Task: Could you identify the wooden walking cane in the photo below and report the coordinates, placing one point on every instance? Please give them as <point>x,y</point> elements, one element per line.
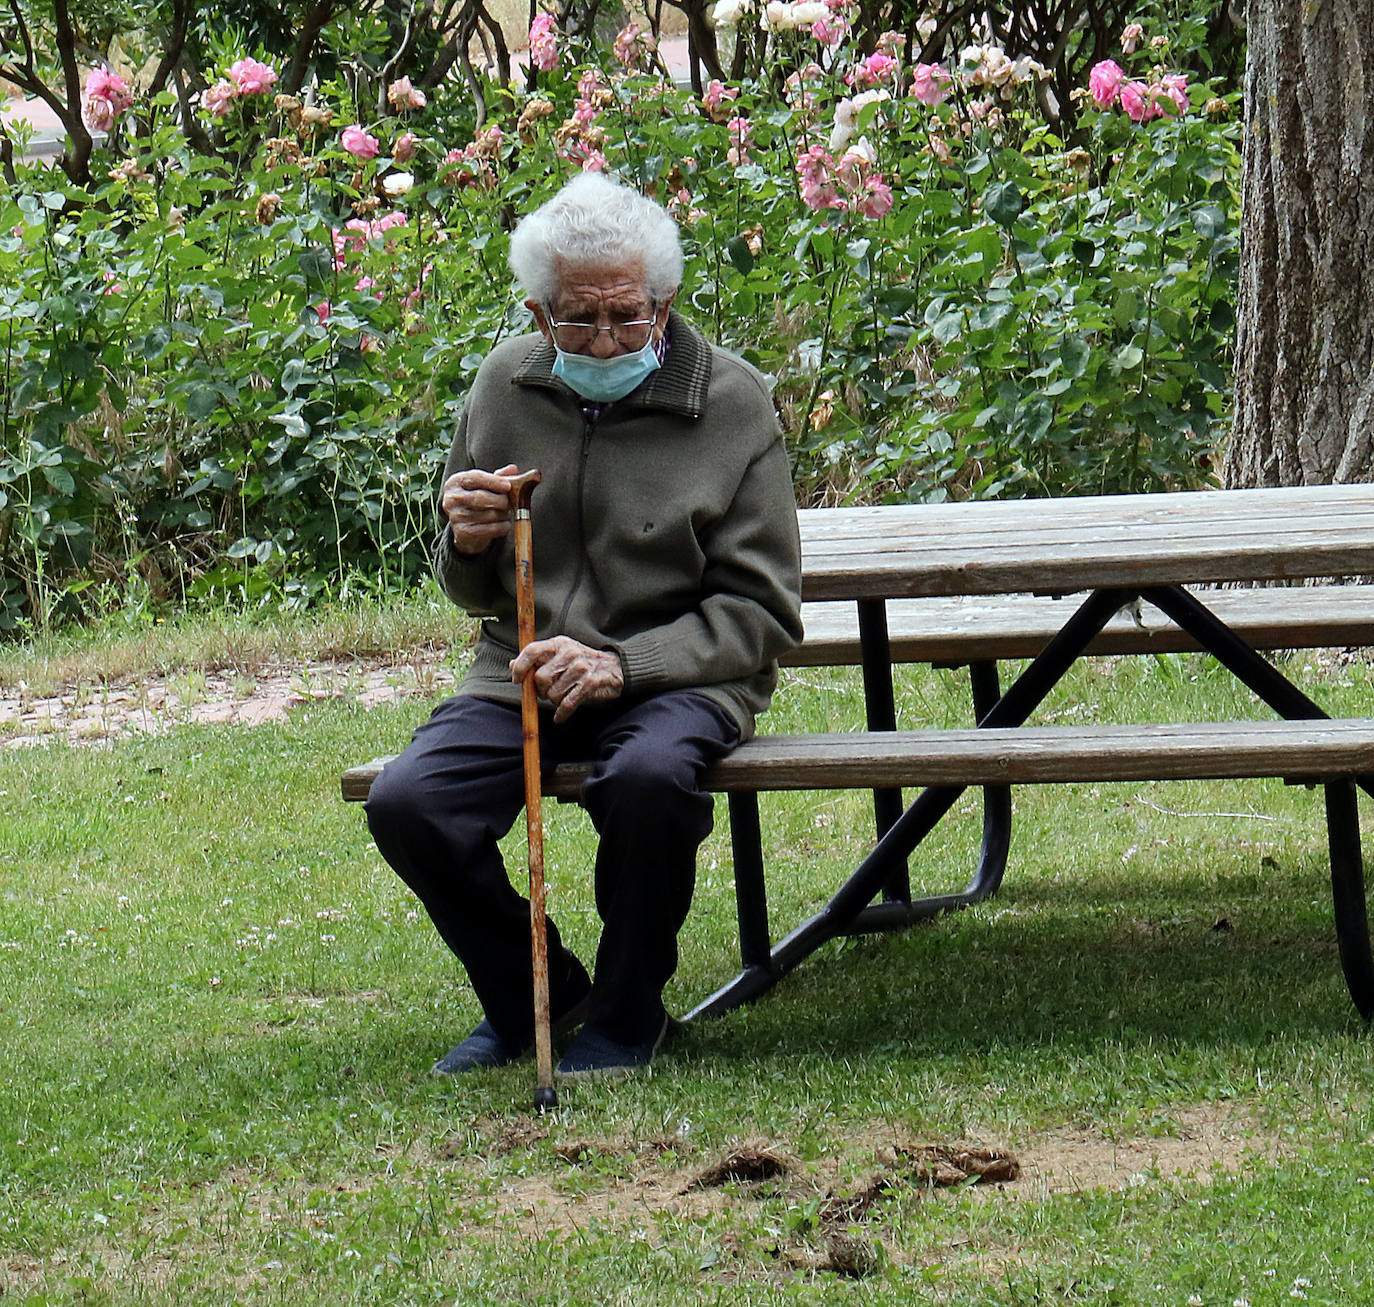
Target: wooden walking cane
<point>521,491</point>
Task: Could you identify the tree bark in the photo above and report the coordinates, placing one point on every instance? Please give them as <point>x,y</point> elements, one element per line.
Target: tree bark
<point>1304,409</point>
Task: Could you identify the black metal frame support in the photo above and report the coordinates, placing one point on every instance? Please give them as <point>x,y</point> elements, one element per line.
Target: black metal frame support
<point>880,713</point>
<point>1342,816</point>
<point>851,910</point>
<point>918,820</point>
<point>1348,893</point>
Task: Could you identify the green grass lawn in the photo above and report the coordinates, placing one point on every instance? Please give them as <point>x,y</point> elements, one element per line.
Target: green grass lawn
<point>218,1009</point>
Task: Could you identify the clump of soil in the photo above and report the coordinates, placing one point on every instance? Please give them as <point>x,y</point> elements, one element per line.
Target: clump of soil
<point>747,1164</point>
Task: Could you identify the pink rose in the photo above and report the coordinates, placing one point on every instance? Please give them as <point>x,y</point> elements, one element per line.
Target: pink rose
<point>98,113</point>
<point>322,311</point>
<point>877,198</point>
<point>1104,83</point>
<point>816,171</point>
<point>875,69</point>
<point>1135,100</point>
<point>1130,37</point>
<point>251,78</point>
<point>106,97</point>
<point>105,85</point>
<point>717,93</point>
<point>625,42</point>
<point>359,144</point>
<point>543,43</point>
<point>830,31</point>
<point>404,149</point>
<point>931,84</point>
<point>404,96</point>
<point>1175,87</point>
<point>740,133</point>
<point>218,98</point>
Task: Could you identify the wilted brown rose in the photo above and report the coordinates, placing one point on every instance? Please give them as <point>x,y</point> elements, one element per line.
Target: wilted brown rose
<point>823,411</point>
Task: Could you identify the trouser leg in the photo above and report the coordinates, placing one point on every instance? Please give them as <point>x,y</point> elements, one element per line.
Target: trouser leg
<point>436,813</point>
<point>645,800</point>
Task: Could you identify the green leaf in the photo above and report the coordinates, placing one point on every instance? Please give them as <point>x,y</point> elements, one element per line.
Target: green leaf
<point>1003,202</point>
<point>317,264</point>
<point>1074,353</point>
<point>1088,253</point>
<point>60,480</point>
<point>948,326</point>
<point>1209,221</point>
<point>201,401</point>
<point>76,360</point>
<point>155,342</point>
<point>1128,357</point>
<point>737,249</point>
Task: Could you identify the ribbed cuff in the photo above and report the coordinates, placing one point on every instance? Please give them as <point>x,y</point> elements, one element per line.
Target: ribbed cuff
<point>643,663</point>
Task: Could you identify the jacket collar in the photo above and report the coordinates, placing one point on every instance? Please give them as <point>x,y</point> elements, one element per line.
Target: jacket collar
<point>679,386</point>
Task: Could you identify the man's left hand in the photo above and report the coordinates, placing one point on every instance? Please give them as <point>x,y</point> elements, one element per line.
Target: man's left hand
<point>569,674</point>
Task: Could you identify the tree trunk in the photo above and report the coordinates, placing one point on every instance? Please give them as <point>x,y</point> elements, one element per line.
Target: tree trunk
<point>1304,411</point>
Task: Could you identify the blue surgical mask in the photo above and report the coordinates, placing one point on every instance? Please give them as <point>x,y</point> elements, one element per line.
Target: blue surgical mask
<point>604,380</point>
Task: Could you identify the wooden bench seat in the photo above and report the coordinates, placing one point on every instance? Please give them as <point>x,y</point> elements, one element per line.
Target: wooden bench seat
<point>1026,755</point>
<point>1337,753</point>
<point>958,629</point>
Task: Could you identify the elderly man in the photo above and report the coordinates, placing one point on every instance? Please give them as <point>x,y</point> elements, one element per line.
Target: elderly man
<point>667,583</point>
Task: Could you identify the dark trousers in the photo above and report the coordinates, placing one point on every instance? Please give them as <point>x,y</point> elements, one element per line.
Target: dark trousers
<point>437,811</point>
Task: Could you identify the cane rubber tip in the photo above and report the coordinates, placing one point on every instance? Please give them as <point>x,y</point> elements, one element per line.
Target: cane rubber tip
<point>545,1099</point>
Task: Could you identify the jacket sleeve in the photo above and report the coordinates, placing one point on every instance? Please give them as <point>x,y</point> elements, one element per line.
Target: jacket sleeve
<point>750,611</point>
<point>468,579</point>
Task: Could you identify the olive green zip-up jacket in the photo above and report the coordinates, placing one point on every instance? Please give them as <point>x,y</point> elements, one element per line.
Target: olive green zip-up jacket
<point>664,528</point>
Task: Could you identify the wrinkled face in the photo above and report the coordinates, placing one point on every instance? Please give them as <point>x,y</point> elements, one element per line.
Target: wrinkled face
<point>600,311</point>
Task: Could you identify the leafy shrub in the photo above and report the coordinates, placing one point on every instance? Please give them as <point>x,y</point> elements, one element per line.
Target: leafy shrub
<point>239,377</point>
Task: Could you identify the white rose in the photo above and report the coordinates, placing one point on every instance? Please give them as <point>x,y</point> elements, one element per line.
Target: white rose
<point>862,152</point>
<point>727,12</point>
<point>778,16</point>
<point>809,11</point>
<point>396,184</point>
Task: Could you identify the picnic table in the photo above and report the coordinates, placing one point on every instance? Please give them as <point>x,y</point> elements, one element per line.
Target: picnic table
<point>977,582</point>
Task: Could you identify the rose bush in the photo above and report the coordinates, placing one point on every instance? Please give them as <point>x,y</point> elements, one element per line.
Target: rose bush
<point>241,378</point>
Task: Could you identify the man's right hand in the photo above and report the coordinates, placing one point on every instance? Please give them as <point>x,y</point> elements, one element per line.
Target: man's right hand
<point>477,505</point>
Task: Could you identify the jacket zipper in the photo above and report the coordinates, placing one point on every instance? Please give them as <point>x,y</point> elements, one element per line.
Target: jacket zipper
<point>588,429</point>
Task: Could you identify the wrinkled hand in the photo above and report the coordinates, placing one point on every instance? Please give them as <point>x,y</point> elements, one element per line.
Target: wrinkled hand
<point>569,674</point>
<point>477,505</point>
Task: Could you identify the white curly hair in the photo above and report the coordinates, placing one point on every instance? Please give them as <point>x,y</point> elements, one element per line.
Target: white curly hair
<point>596,222</point>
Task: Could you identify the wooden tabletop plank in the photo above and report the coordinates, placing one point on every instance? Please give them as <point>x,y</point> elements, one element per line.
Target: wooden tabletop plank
<point>1065,545</point>
<point>1208,505</point>
<point>911,530</point>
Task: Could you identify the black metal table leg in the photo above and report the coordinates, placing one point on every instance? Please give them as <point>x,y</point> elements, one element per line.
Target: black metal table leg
<point>880,714</point>
<point>992,855</point>
<point>1348,894</point>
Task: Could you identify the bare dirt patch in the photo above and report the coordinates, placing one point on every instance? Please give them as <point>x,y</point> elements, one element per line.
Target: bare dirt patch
<point>768,1215</point>
<point>84,714</point>
<point>610,1182</point>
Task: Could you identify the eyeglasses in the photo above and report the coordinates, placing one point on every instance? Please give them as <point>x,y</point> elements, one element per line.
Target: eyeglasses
<point>577,336</point>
